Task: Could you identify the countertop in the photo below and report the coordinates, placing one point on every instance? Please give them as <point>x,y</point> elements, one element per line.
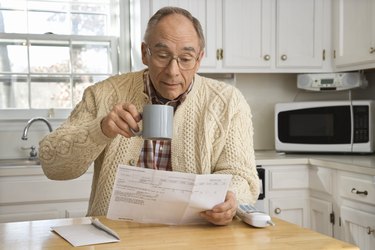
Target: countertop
<point>356,163</point>
<point>237,235</point>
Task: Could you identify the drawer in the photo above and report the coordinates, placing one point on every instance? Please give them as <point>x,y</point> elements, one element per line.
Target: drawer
<point>284,178</point>
<point>358,187</point>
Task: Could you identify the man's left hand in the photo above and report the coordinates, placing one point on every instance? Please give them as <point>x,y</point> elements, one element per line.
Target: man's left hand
<point>223,213</point>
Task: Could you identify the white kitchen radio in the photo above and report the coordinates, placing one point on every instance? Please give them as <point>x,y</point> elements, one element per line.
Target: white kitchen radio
<point>331,81</point>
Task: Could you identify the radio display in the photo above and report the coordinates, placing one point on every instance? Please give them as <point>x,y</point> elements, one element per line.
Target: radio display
<point>327,81</point>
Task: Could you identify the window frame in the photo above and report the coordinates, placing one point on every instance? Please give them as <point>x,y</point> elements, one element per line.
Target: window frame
<point>15,113</point>
<point>120,58</point>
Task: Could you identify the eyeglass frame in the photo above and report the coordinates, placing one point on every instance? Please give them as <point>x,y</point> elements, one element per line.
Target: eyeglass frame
<point>177,58</point>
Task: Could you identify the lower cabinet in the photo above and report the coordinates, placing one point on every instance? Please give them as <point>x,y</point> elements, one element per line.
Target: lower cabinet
<point>294,210</point>
<point>27,194</point>
<point>287,193</point>
<point>42,211</point>
<point>357,209</point>
<point>358,227</point>
<point>322,202</point>
<point>321,216</point>
<point>336,203</point>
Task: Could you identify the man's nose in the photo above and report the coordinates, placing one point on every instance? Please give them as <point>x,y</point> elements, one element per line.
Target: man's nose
<point>173,68</point>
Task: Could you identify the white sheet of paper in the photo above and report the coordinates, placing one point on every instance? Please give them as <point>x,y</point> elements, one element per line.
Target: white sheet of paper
<point>86,234</point>
<point>166,197</point>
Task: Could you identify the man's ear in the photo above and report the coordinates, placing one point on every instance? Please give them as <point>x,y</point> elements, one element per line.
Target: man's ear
<point>200,58</point>
<point>144,54</point>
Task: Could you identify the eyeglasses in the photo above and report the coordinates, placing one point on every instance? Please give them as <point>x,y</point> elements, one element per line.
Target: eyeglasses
<point>162,59</point>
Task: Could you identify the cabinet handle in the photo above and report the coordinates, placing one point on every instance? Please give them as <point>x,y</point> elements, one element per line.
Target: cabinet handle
<point>277,210</point>
<point>370,231</point>
<point>355,191</point>
<point>372,50</point>
<point>284,57</point>
<point>267,57</point>
<point>218,54</point>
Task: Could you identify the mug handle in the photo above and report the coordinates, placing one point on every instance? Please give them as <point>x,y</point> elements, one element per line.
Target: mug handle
<point>139,133</point>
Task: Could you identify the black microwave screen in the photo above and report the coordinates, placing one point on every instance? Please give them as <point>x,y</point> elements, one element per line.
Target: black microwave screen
<point>322,125</point>
<point>311,125</point>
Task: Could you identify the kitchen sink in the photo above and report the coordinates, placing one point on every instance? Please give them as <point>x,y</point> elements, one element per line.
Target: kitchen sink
<point>19,162</point>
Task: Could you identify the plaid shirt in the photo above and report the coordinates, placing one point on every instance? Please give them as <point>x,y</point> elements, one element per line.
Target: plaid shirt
<point>156,154</point>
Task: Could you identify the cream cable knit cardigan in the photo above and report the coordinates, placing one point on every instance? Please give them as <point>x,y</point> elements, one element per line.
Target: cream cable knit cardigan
<point>213,133</point>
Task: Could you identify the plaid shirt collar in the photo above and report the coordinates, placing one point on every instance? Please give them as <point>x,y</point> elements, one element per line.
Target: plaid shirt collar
<point>155,99</point>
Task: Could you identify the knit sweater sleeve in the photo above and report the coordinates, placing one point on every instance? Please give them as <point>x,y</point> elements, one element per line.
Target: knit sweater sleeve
<point>237,155</point>
<point>67,152</point>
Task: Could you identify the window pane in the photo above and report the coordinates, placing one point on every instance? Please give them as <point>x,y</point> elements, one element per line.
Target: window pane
<point>91,57</point>
<point>59,6</point>
<point>13,56</point>
<point>43,22</point>
<point>80,83</point>
<point>89,24</point>
<point>10,18</point>
<point>14,92</point>
<point>51,92</point>
<point>49,58</point>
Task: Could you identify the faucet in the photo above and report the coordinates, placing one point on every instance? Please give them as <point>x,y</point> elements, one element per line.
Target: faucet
<point>31,121</point>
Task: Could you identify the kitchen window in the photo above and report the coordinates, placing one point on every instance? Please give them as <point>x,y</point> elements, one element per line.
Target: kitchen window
<point>51,50</point>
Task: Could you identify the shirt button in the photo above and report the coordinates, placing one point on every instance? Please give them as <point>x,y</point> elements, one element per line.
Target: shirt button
<point>132,162</point>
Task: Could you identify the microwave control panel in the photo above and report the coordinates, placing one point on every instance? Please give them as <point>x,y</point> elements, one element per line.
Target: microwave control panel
<point>331,81</point>
<point>361,124</point>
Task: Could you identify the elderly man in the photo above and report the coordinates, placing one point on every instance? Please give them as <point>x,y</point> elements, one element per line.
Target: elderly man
<point>212,121</point>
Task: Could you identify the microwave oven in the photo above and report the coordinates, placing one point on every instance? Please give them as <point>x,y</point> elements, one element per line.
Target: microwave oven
<point>325,126</point>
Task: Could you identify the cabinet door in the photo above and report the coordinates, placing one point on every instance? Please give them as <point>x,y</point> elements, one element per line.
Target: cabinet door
<point>299,34</point>
<point>248,33</point>
<point>206,12</point>
<point>353,23</point>
<point>320,213</point>
<point>293,210</point>
<point>358,228</point>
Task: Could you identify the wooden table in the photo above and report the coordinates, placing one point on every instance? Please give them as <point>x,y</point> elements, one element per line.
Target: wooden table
<point>38,235</point>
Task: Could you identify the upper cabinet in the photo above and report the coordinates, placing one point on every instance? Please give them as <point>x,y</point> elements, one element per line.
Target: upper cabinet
<point>274,36</point>
<point>354,34</point>
<point>258,35</point>
<point>300,35</point>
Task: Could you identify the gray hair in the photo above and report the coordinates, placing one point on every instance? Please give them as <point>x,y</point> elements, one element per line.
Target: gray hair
<point>163,12</point>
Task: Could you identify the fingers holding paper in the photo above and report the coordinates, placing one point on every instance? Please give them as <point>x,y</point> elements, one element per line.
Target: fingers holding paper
<point>223,213</point>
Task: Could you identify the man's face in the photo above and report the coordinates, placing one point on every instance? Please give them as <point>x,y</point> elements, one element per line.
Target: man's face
<point>173,36</point>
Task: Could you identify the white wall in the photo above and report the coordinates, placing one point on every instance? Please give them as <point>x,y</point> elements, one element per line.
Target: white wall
<point>263,91</point>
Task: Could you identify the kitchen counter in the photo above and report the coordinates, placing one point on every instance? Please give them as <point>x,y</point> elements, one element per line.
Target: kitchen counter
<point>362,164</point>
<point>237,235</point>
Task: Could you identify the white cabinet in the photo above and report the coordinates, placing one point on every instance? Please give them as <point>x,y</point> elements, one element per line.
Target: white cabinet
<point>258,35</point>
<point>248,35</point>
<point>322,201</point>
<point>287,193</point>
<point>354,34</point>
<point>206,11</point>
<point>27,194</point>
<point>357,209</point>
<point>301,31</point>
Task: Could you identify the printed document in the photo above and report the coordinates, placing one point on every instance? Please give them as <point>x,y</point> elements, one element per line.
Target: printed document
<point>164,197</point>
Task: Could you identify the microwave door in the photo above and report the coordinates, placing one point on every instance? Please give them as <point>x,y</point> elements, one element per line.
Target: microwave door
<point>316,129</point>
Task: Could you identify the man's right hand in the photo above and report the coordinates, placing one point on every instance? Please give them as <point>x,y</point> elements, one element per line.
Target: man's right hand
<point>120,120</point>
